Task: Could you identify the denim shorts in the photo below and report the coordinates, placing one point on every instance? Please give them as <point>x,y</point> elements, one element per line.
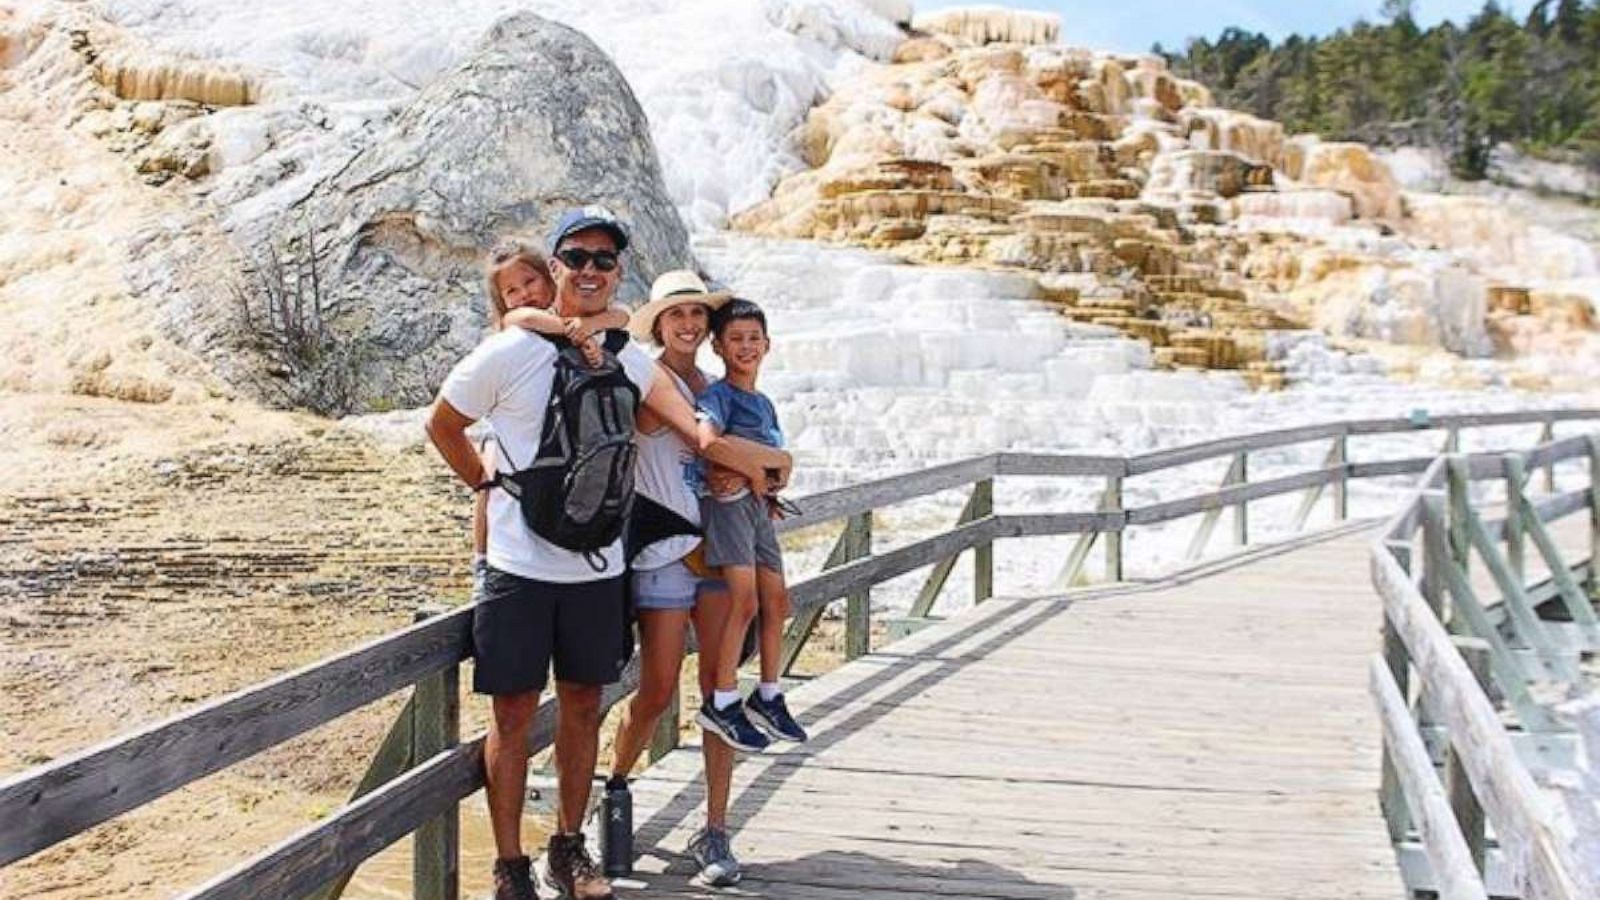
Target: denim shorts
<point>671,586</point>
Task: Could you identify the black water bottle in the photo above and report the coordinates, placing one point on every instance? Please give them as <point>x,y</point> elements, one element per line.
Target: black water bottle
<point>616,828</point>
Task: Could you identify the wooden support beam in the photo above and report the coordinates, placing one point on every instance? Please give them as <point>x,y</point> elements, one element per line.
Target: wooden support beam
<point>1463,803</point>
<point>979,503</point>
<point>1594,515</point>
<point>1516,479</point>
<point>983,554</point>
<point>1547,434</point>
<point>804,622</point>
<point>1113,539</point>
<point>858,606</point>
<point>436,729</point>
<point>1241,513</point>
<point>1208,521</point>
<point>1557,658</point>
<point>1509,671</point>
<point>1448,854</point>
<point>393,757</point>
<point>1572,596</point>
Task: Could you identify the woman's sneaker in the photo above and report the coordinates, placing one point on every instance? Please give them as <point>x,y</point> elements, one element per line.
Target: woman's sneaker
<point>713,853</point>
<point>732,726</point>
<point>772,716</point>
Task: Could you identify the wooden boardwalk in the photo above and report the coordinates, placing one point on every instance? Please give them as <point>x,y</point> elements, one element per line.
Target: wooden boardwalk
<point>1211,735</point>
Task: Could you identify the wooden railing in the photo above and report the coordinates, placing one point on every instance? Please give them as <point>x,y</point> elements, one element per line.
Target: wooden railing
<point>1447,652</point>
<point>422,770</point>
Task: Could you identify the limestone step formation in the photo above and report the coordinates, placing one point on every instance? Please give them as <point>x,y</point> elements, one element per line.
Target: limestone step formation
<point>1194,228</point>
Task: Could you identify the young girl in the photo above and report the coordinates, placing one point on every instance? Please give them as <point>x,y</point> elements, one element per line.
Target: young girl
<point>517,282</point>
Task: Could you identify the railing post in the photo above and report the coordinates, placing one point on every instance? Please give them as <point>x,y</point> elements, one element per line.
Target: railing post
<point>1452,441</point>
<point>1463,802</point>
<point>1341,486</point>
<point>436,728</point>
<point>1241,513</point>
<point>858,606</point>
<point>1459,487</point>
<point>1113,503</point>
<point>1594,516</point>
<point>983,554</point>
<point>1547,433</point>
<point>1516,477</point>
<point>1391,796</point>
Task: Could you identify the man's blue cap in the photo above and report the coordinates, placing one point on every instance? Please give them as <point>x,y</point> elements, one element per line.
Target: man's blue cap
<point>594,216</point>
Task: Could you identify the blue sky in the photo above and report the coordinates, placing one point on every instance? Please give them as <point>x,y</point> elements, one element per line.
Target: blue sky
<point>1133,25</point>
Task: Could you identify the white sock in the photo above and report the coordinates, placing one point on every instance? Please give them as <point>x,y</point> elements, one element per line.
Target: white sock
<point>768,689</point>
<point>722,699</point>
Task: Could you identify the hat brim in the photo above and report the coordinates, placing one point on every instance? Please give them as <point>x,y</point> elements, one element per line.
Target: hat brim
<point>619,235</point>
<point>643,320</point>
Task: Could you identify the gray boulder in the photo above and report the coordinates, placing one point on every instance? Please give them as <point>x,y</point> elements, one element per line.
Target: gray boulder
<point>536,120</point>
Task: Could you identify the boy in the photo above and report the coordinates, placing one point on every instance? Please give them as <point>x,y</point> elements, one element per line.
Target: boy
<point>739,537</point>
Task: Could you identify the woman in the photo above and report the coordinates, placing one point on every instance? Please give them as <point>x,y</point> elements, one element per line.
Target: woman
<point>668,595</point>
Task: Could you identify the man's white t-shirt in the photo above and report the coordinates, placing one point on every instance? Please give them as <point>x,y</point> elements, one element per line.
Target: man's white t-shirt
<point>507,381</point>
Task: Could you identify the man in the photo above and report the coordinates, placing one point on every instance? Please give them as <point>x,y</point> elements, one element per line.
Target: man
<point>544,604</point>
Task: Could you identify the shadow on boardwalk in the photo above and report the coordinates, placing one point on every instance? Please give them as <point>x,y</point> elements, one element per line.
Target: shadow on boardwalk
<point>841,875</point>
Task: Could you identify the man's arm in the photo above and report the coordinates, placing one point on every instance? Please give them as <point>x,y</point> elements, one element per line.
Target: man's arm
<point>447,428</point>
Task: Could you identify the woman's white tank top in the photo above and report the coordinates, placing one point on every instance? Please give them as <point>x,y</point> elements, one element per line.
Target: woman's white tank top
<point>659,473</point>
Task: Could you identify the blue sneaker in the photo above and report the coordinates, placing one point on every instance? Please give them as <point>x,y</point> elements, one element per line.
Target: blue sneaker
<point>772,716</point>
<point>713,854</point>
<point>731,725</point>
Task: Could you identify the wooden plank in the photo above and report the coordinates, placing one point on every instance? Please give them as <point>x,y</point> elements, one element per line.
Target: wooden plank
<point>825,586</point>
<point>1547,455</point>
<point>1594,515</point>
<point>867,496</point>
<point>1231,496</point>
<point>1452,861</point>
<point>1498,778</point>
<point>1043,524</point>
<point>1516,478</point>
<point>1042,464</point>
<point>42,806</point>
<point>1193,453</point>
<point>312,856</point>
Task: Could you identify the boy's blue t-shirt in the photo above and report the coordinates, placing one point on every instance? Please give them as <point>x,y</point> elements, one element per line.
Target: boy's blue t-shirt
<point>746,414</point>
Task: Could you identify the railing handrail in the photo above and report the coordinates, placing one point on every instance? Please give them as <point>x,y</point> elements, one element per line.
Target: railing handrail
<point>46,804</point>
<point>1499,781</point>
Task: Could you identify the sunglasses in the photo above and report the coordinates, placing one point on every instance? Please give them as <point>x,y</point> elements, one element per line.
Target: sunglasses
<point>575,258</point>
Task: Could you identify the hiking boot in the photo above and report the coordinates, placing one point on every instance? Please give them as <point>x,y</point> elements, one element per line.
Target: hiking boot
<point>569,872</point>
<point>513,879</point>
<point>714,855</point>
<point>772,716</point>
<point>732,726</point>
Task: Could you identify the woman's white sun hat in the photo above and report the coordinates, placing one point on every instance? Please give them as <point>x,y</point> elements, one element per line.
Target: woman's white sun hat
<point>675,288</point>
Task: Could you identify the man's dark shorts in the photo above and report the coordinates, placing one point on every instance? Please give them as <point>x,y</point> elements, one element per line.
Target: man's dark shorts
<point>522,625</point>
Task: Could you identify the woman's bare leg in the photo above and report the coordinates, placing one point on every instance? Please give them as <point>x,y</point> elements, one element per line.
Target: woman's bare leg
<point>661,640</point>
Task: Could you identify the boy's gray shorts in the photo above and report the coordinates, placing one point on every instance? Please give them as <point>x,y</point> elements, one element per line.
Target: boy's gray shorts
<point>739,533</point>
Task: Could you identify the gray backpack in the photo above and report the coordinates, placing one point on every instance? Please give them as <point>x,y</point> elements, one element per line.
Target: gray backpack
<point>578,491</point>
